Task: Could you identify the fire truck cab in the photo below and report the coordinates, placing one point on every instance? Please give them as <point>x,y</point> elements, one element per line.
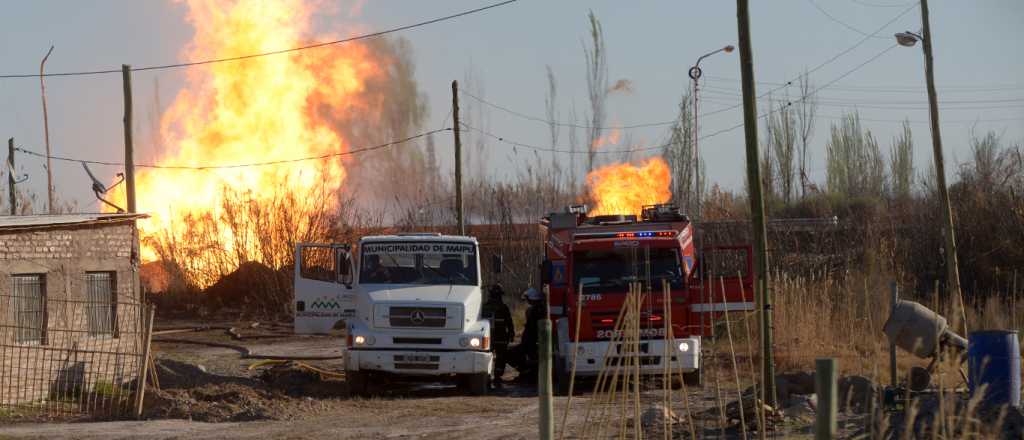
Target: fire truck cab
<point>589,265</point>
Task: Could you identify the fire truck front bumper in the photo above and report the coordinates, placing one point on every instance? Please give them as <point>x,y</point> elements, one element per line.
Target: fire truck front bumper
<point>681,355</point>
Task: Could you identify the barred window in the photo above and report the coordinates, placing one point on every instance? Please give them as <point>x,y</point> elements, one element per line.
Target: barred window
<point>101,308</point>
<point>29,301</point>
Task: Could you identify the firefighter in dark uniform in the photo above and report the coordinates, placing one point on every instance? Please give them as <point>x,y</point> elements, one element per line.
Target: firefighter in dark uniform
<point>524,356</point>
<point>503,330</point>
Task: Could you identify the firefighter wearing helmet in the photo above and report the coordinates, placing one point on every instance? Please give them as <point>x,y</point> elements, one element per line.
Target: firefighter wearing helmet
<point>503,330</point>
<point>524,356</point>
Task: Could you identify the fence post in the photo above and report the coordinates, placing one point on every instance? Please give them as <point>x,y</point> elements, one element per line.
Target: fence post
<point>825,387</point>
<point>892,347</point>
<point>546,406</point>
<point>147,338</point>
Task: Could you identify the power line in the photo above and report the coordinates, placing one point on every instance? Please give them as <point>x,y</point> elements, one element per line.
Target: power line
<point>722,110</point>
<point>879,5</point>
<point>889,89</point>
<point>241,165</point>
<point>263,54</point>
<point>842,23</point>
<point>838,101</point>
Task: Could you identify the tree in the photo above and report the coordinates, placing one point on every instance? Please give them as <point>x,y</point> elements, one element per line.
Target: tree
<point>597,85</point>
<point>854,161</point>
<point>678,153</point>
<point>783,138</point>
<point>901,163</point>
<point>806,113</point>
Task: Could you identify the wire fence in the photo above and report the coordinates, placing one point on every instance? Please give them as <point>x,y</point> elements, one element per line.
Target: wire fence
<point>71,357</point>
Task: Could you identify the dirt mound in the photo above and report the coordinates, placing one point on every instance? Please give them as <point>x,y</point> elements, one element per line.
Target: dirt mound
<point>213,403</point>
<point>174,374</point>
<point>188,391</point>
<point>253,288</point>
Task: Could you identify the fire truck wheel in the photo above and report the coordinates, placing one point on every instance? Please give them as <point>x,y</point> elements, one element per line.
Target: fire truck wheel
<point>476,384</point>
<point>358,383</point>
<point>693,378</point>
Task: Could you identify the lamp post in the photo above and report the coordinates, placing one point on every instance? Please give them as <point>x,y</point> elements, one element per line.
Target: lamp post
<point>909,39</point>
<point>695,74</point>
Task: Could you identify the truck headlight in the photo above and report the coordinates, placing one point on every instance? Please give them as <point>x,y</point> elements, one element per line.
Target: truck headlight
<point>475,342</point>
<point>363,340</point>
<point>684,346</point>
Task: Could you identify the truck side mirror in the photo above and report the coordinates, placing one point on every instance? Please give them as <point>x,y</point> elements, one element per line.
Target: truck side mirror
<point>545,272</point>
<point>344,267</point>
<point>496,262</point>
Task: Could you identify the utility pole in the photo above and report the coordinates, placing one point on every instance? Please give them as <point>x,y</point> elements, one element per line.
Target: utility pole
<point>756,201</point>
<point>10,177</point>
<point>458,160</point>
<point>46,135</point>
<point>952,266</point>
<point>129,160</point>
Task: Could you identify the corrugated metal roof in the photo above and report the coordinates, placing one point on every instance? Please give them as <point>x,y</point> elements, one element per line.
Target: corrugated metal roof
<point>35,221</point>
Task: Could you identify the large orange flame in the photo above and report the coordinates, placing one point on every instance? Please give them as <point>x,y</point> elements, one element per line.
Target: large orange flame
<point>625,188</point>
<point>261,109</point>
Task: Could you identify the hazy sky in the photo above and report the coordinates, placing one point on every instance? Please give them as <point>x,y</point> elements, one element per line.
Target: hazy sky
<point>978,66</point>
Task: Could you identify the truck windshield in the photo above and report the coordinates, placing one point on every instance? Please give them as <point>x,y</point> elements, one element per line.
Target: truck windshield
<point>418,263</point>
<point>609,271</point>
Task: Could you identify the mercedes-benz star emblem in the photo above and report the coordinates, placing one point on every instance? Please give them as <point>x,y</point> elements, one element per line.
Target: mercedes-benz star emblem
<point>417,317</point>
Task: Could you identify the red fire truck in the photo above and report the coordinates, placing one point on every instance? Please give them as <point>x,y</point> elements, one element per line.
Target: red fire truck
<point>595,259</point>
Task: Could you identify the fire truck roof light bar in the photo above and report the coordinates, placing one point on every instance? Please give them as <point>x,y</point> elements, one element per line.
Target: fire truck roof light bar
<point>641,234</point>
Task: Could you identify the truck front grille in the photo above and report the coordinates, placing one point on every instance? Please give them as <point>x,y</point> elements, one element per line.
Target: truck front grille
<point>417,317</point>
<point>407,340</point>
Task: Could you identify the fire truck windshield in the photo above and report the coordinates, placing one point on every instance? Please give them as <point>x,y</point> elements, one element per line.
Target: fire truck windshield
<point>611,271</point>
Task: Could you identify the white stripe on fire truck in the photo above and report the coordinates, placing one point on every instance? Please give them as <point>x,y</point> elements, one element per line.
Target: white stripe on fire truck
<point>722,307</point>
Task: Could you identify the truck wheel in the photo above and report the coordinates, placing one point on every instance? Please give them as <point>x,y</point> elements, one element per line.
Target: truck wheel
<point>476,384</point>
<point>358,385</point>
<point>693,378</point>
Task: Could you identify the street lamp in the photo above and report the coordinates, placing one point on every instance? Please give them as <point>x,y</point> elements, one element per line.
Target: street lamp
<point>695,74</point>
<point>909,39</point>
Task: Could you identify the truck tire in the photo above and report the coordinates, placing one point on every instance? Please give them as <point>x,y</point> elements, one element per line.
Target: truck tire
<point>358,383</point>
<point>694,378</point>
<point>476,384</point>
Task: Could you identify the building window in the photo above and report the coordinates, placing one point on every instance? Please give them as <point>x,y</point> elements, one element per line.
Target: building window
<point>101,308</point>
<point>29,308</point>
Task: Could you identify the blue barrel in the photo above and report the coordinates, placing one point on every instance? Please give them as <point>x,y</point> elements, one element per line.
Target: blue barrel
<point>993,360</point>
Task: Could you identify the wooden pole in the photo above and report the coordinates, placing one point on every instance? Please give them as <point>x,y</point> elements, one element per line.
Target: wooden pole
<point>10,177</point>
<point>756,200</point>
<point>458,160</point>
<point>952,265</point>
<point>828,396</point>
<point>148,313</point>
<point>46,136</point>
<point>129,160</point>
<point>546,425</point>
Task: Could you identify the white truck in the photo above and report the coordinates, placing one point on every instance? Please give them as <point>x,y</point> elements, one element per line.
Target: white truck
<point>410,303</point>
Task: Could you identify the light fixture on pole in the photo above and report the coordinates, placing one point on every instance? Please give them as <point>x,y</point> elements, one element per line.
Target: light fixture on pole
<point>695,74</point>
<point>908,39</point>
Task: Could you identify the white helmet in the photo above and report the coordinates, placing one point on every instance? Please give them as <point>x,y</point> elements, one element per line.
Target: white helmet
<point>532,294</point>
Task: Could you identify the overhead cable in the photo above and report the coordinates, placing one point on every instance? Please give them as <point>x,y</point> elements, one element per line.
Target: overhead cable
<point>263,54</point>
<point>240,165</point>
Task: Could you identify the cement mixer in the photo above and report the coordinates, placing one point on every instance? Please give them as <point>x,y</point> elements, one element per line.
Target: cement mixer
<point>923,333</point>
